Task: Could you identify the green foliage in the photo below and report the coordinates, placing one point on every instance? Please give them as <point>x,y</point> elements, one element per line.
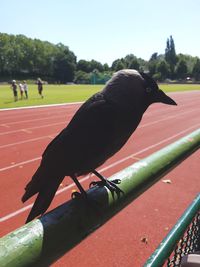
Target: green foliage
<point>106,67</point>
<point>164,69</point>
<point>172,66</point>
<point>152,65</point>
<point>25,58</point>
<point>196,70</point>
<point>118,64</point>
<point>170,55</point>
<point>134,64</point>
<point>181,69</point>
<point>128,62</point>
<point>94,77</point>
<point>82,77</point>
<point>89,66</point>
<point>100,77</point>
<point>157,76</point>
<point>64,64</point>
<point>83,65</point>
<point>190,61</point>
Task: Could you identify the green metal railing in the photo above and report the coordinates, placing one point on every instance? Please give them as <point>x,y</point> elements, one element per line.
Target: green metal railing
<point>184,238</point>
<point>42,241</point>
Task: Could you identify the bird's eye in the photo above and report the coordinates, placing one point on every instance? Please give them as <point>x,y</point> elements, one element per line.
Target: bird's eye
<point>148,89</point>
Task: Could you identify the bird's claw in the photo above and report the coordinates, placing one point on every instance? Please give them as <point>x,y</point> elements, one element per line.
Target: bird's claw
<point>116,181</point>
<point>111,185</point>
<point>76,194</point>
<point>94,183</point>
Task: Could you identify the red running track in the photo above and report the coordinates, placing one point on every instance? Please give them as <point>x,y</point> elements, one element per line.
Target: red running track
<point>24,133</point>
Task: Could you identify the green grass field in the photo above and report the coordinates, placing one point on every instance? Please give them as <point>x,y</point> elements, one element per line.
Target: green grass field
<point>54,94</point>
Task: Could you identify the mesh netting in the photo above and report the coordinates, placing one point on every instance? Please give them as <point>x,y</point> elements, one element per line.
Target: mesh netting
<point>189,243</point>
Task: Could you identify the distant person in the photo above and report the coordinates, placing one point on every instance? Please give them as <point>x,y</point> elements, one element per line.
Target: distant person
<point>40,87</point>
<point>14,88</point>
<point>25,86</point>
<point>21,89</point>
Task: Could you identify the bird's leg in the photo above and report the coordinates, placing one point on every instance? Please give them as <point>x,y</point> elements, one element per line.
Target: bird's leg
<point>111,185</point>
<point>82,191</point>
<point>83,195</point>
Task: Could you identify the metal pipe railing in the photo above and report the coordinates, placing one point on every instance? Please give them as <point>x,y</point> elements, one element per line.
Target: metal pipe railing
<point>169,243</point>
<point>43,240</point>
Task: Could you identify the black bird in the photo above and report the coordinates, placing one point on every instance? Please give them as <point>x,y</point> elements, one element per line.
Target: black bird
<point>100,128</point>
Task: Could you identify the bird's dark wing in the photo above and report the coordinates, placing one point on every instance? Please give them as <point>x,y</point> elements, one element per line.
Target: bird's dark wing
<point>96,132</point>
<point>87,140</point>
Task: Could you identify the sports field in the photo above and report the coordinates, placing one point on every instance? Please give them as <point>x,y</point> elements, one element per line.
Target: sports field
<point>54,94</point>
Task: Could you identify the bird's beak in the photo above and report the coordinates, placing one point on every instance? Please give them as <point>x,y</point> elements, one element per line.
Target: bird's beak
<point>163,98</point>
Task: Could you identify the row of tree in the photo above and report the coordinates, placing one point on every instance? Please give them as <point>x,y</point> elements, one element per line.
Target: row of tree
<point>22,57</point>
<point>25,58</point>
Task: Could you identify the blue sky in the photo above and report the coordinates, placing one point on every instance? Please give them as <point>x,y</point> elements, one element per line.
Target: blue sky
<point>105,30</point>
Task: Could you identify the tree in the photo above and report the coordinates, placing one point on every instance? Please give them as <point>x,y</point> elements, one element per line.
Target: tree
<point>134,65</point>
<point>89,66</point>
<point>196,70</point>
<point>82,77</point>
<point>181,69</point>
<point>164,69</point>
<point>64,64</point>
<point>154,57</point>
<point>152,64</point>
<point>131,62</point>
<point>22,57</point>
<point>84,66</point>
<point>190,61</point>
<point>106,67</point>
<point>118,64</point>
<point>170,55</point>
<point>95,65</point>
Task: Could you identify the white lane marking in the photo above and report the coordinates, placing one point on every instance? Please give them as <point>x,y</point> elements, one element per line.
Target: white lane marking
<point>19,164</point>
<point>37,113</point>
<point>41,106</point>
<point>166,118</point>
<point>26,131</point>
<point>65,122</point>
<point>148,114</point>
<point>27,141</point>
<point>15,213</point>
<point>5,125</point>
<point>164,108</point>
<point>141,126</point>
<point>77,103</point>
<point>32,128</point>
<point>66,105</point>
<point>39,119</point>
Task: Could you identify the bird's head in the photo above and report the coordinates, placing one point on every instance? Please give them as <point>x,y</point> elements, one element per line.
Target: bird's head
<point>152,92</point>
<point>133,90</point>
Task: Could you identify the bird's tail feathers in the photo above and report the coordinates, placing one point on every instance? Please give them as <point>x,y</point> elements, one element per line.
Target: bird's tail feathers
<point>34,186</point>
<point>44,198</point>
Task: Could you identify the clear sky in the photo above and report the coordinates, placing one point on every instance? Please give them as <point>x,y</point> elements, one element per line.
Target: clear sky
<point>105,30</point>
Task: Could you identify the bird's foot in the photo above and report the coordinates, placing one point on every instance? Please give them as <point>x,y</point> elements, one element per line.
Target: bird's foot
<point>111,185</point>
<point>77,195</point>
